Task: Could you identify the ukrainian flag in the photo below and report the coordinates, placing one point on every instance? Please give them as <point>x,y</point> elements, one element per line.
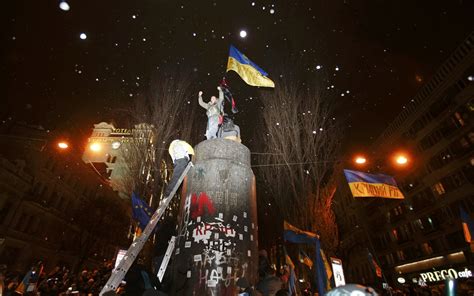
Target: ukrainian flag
<point>305,259</point>
<point>467,225</point>
<point>247,70</point>
<point>370,185</point>
<point>294,234</point>
<point>328,270</point>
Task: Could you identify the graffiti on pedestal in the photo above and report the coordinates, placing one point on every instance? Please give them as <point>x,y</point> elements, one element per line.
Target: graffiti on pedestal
<point>198,203</point>
<point>211,240</point>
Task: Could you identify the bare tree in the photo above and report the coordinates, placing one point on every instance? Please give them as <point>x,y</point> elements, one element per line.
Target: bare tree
<point>158,117</point>
<point>301,139</point>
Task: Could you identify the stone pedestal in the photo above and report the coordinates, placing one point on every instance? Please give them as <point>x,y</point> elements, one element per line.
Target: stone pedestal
<point>217,234</point>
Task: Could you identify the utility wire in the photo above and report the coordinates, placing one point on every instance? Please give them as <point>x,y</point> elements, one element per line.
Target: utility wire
<point>293,163</point>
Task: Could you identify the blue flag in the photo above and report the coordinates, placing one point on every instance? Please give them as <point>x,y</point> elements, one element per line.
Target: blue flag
<point>141,212</point>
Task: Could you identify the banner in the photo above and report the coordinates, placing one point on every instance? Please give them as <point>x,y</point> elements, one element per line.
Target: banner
<point>338,271</point>
<point>371,185</point>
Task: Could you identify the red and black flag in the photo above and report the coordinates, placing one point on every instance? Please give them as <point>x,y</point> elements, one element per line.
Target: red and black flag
<point>228,95</point>
<point>375,267</point>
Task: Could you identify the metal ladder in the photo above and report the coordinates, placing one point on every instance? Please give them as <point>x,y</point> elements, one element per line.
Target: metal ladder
<point>166,259</point>
<point>119,272</point>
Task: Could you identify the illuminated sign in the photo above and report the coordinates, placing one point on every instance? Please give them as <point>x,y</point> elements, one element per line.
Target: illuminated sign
<point>338,272</point>
<point>441,275</point>
<point>121,131</point>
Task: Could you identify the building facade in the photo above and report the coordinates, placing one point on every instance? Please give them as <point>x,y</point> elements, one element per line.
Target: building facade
<point>116,153</point>
<point>419,240</point>
<point>53,207</point>
<point>130,160</point>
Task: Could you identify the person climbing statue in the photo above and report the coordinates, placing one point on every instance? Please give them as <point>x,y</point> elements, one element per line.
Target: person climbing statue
<point>180,152</point>
<point>214,109</point>
<point>229,130</point>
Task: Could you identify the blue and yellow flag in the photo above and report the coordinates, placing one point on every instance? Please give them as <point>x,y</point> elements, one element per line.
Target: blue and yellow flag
<point>21,289</point>
<point>141,212</point>
<point>328,270</point>
<point>370,185</point>
<point>303,258</point>
<point>467,225</point>
<point>247,70</point>
<point>296,235</point>
<point>292,277</point>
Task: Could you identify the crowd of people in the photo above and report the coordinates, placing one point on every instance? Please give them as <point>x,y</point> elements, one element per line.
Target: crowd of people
<point>60,281</point>
<point>140,281</point>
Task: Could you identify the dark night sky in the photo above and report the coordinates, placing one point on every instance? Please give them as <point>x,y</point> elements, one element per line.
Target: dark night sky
<point>384,50</point>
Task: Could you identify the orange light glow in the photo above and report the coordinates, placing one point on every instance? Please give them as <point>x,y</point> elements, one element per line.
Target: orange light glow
<point>360,160</point>
<point>63,145</point>
<point>95,147</point>
<point>401,159</point>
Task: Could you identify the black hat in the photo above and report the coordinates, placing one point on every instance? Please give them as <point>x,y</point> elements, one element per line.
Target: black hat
<point>243,283</point>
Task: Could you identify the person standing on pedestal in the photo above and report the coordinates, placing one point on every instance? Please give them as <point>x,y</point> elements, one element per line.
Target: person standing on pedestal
<point>180,152</point>
<point>214,109</point>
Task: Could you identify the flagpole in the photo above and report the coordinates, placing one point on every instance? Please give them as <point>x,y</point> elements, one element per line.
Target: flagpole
<point>374,256</point>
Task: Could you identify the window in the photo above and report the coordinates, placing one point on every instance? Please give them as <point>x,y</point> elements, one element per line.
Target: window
<point>405,232</point>
<point>394,235</point>
<point>428,224</point>
<point>468,204</point>
<point>401,255</point>
<point>468,170</point>
<point>4,211</point>
<point>422,199</point>
<point>456,239</point>
<point>458,119</point>
<point>397,210</point>
<point>431,223</point>
<point>390,259</point>
<point>419,224</point>
<point>453,181</point>
<point>436,245</point>
<point>438,188</point>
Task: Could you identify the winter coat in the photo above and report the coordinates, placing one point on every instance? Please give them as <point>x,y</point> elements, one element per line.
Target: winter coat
<point>213,109</point>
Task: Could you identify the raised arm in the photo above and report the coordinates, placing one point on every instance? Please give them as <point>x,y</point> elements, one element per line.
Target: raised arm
<point>201,102</point>
<point>221,95</point>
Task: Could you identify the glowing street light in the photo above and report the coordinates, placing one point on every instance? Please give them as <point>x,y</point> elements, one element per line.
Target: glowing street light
<point>401,159</point>
<point>63,145</point>
<point>360,160</point>
<point>95,147</point>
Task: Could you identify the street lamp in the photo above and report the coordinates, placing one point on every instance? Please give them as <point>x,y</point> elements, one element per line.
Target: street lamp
<point>401,159</point>
<point>360,160</point>
<point>95,147</point>
<point>63,145</point>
